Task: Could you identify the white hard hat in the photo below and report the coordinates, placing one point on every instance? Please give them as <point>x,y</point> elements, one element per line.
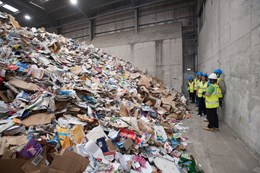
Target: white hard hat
<point>213,76</point>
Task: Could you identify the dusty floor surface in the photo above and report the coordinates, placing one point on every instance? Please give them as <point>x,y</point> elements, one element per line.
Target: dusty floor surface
<point>220,151</point>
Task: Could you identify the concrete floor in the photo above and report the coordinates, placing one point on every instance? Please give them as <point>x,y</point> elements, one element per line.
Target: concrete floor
<point>219,152</point>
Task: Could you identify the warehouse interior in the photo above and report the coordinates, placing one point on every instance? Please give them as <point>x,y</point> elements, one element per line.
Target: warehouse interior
<point>172,40</point>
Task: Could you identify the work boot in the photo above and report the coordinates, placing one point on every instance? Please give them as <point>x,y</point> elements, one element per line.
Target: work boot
<point>206,120</point>
<point>208,129</point>
<point>216,129</point>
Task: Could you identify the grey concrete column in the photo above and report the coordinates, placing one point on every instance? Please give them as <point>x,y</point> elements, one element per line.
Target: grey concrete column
<point>91,29</point>
<point>136,20</point>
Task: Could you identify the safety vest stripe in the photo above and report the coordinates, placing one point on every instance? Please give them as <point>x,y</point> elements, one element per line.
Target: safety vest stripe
<point>212,102</point>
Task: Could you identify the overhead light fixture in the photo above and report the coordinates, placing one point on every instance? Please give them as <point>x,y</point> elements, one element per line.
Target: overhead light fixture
<point>1,2</point>
<point>73,2</point>
<point>36,5</point>
<point>27,17</point>
<point>188,69</point>
<point>11,8</point>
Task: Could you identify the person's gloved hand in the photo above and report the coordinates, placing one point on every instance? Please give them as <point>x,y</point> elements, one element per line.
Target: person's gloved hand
<point>220,102</point>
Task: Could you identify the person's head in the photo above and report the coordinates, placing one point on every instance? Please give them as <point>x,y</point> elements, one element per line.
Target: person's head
<point>198,75</point>
<point>204,77</point>
<point>213,78</point>
<point>218,72</point>
<point>190,78</point>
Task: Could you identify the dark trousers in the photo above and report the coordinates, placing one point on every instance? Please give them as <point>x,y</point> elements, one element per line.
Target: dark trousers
<point>196,98</point>
<point>212,118</point>
<point>202,106</point>
<point>192,97</point>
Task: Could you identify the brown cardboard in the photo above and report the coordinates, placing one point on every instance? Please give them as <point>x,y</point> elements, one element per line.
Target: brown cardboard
<point>11,165</point>
<point>124,111</point>
<point>78,134</point>
<point>149,103</point>
<point>46,169</point>
<point>73,109</point>
<point>145,127</point>
<point>110,145</point>
<point>69,162</point>
<point>8,141</point>
<point>4,97</point>
<point>55,47</point>
<point>13,22</point>
<point>23,85</point>
<point>128,143</point>
<point>166,107</point>
<point>145,81</point>
<point>76,70</point>
<point>40,118</point>
<point>28,167</point>
<point>175,116</point>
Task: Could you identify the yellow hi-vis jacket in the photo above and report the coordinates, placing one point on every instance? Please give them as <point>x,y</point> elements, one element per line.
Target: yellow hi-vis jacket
<point>212,100</point>
<point>219,89</point>
<point>191,87</point>
<point>196,83</point>
<point>202,88</point>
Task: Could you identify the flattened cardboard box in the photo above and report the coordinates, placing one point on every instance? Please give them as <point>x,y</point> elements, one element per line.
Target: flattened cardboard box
<point>23,85</point>
<point>29,167</point>
<point>40,118</point>
<point>69,162</point>
<point>11,165</point>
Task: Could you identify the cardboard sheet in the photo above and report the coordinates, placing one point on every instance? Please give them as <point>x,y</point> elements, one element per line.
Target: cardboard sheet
<point>7,142</point>
<point>23,85</point>
<point>41,118</point>
<point>145,81</point>
<point>11,165</point>
<point>35,163</point>
<point>69,162</point>
<point>76,70</point>
<point>14,22</point>
<point>124,112</point>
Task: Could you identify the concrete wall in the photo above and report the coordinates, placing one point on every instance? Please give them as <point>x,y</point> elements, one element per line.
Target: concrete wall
<point>157,49</point>
<point>230,40</point>
<point>162,40</point>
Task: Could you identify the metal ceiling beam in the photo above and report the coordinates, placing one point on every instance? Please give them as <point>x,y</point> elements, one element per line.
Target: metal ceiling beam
<point>106,4</point>
<point>105,14</point>
<point>129,8</point>
<point>38,13</point>
<point>91,8</point>
<point>57,9</point>
<point>68,15</point>
<point>134,2</point>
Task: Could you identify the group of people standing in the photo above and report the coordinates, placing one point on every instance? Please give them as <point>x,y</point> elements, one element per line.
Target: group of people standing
<point>207,92</point>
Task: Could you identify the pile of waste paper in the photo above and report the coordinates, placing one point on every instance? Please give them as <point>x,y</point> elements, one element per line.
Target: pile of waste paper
<point>68,107</point>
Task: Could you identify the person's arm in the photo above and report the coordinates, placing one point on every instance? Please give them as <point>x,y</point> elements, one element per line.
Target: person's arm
<point>222,86</point>
<point>210,90</point>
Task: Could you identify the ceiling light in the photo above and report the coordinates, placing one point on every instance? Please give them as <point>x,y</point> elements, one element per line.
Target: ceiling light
<point>11,8</point>
<point>188,69</point>
<point>1,2</point>
<point>36,5</point>
<point>27,17</point>
<point>73,2</point>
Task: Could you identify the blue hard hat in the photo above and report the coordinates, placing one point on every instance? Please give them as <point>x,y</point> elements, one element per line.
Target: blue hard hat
<point>198,73</point>
<point>218,71</point>
<point>190,78</point>
<point>204,74</point>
